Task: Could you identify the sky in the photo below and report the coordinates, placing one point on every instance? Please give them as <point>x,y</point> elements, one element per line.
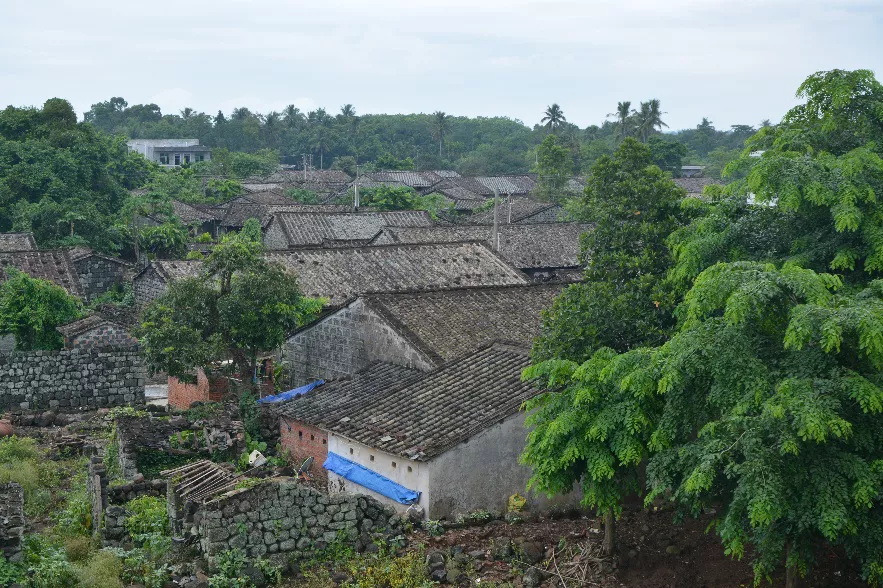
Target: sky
<point>733,62</point>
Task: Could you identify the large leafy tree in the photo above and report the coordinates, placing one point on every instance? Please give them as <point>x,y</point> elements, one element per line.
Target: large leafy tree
<point>587,431</point>
<point>765,402</point>
<point>553,168</point>
<point>30,309</point>
<point>239,306</point>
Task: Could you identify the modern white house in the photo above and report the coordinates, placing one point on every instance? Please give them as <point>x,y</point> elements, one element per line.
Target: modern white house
<point>171,152</point>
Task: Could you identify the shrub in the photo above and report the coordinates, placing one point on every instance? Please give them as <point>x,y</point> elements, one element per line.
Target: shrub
<point>194,256</point>
<point>21,461</point>
<point>147,516</point>
<point>10,573</point>
<point>102,571</point>
<point>230,565</point>
<point>383,571</point>
<point>78,549</point>
<point>51,570</point>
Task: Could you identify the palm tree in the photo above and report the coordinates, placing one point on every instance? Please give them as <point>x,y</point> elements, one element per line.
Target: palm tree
<point>347,111</point>
<point>187,113</point>
<point>652,118</point>
<point>553,118</point>
<point>292,115</point>
<point>322,144</point>
<point>440,127</point>
<point>271,127</point>
<point>623,116</point>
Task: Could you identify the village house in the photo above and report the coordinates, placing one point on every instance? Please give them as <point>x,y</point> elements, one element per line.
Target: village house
<point>448,441</point>
<point>696,185</point>
<point>171,152</point>
<point>17,242</point>
<point>289,230</point>
<point>516,210</point>
<point>98,273</point>
<point>52,265</point>
<point>154,279</point>
<point>416,329</point>
<point>97,332</point>
<point>544,251</point>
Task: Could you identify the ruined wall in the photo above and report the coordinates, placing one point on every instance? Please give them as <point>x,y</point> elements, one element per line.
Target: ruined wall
<point>206,389</point>
<point>71,380</point>
<point>12,520</point>
<point>284,516</point>
<point>341,344</point>
<point>99,274</point>
<point>302,441</point>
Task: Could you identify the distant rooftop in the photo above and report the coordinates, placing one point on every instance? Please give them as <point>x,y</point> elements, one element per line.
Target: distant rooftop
<point>53,265</point>
<point>17,242</point>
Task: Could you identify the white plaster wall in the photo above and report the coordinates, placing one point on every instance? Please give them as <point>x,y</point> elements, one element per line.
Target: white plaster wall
<point>483,472</point>
<point>417,479</point>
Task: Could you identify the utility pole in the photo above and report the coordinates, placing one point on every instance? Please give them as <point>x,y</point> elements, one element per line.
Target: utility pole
<point>496,236</point>
<point>356,191</point>
<point>304,157</point>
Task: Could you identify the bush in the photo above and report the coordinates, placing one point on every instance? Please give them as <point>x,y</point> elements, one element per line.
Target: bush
<point>78,549</point>
<point>230,565</point>
<point>51,570</point>
<point>383,571</point>
<point>21,461</point>
<point>10,573</point>
<point>75,518</point>
<point>102,571</point>
<point>147,516</point>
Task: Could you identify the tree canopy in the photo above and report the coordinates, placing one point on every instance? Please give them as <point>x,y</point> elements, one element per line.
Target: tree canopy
<point>31,309</point>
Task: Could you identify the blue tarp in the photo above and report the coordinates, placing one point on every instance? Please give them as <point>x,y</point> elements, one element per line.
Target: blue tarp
<point>369,479</point>
<point>291,393</point>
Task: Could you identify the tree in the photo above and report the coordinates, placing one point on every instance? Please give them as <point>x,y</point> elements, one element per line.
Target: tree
<point>168,239</point>
<point>389,198</point>
<point>586,430</point>
<point>239,306</point>
<point>31,309</point>
<point>553,168</point>
<point>553,118</point>
<point>649,119</point>
<point>765,399</point>
<point>440,127</point>
<point>624,118</point>
<point>668,155</point>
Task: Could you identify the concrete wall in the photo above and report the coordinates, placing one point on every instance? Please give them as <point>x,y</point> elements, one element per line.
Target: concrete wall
<point>71,380</point>
<point>301,441</point>
<point>345,342</point>
<point>413,475</point>
<point>99,274</point>
<point>102,336</point>
<point>483,472</point>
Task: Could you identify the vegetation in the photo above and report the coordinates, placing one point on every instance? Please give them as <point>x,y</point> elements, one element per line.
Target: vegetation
<point>763,400</point>
<point>31,309</point>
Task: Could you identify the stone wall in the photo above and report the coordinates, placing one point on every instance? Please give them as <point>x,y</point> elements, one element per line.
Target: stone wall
<point>147,286</point>
<point>103,335</point>
<point>12,520</point>
<point>282,516</point>
<point>99,274</point>
<point>71,380</point>
<point>342,343</point>
<point>275,237</point>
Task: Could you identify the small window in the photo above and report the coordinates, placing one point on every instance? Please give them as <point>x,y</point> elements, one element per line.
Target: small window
<point>177,159</point>
<point>372,458</point>
<point>393,464</point>
<point>312,437</point>
<point>323,441</point>
<point>186,158</point>
<point>409,469</point>
<point>300,434</point>
<point>200,158</point>
<point>351,450</point>
<point>164,159</point>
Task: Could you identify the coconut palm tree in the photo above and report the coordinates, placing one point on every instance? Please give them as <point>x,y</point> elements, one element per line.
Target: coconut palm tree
<point>347,111</point>
<point>292,114</point>
<point>553,118</point>
<point>649,119</point>
<point>187,113</point>
<point>322,144</point>
<point>271,127</point>
<point>623,117</point>
<point>440,127</point>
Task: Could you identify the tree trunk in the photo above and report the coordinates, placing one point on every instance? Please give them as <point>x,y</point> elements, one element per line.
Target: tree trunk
<point>609,544</point>
<point>792,574</point>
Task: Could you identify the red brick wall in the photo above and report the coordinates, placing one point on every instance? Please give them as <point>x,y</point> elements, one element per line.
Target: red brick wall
<point>301,441</point>
<point>182,395</point>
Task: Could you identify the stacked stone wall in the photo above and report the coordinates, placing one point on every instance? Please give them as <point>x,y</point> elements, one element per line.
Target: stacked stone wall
<point>283,516</point>
<point>102,336</point>
<point>100,274</point>
<point>71,380</point>
<point>12,520</point>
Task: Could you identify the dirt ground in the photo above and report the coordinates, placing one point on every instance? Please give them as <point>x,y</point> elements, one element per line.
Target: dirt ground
<point>652,552</point>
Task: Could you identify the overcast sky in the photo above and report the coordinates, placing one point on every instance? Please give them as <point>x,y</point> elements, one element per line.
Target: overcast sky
<point>734,62</point>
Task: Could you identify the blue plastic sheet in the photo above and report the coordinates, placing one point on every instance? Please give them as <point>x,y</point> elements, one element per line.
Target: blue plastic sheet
<point>291,393</point>
<point>369,479</point>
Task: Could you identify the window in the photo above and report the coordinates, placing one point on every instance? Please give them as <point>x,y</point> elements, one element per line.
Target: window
<point>300,434</point>
<point>164,159</point>
<point>177,159</point>
<point>200,157</point>
<point>372,458</point>
<point>186,158</point>
<point>409,469</point>
<point>393,465</point>
<point>312,437</point>
<point>351,450</point>
<point>323,441</point>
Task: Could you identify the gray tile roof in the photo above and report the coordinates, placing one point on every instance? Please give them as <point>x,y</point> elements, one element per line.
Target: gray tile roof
<point>269,197</point>
<point>187,213</point>
<point>317,228</point>
<point>324,403</point>
<point>445,324</point>
<point>695,186</point>
<point>514,210</point>
<point>423,419</point>
<point>17,242</point>
<point>86,324</point>
<point>78,253</point>
<point>171,270</point>
<point>537,245</point>
<point>235,214</point>
<point>53,265</point>
<point>340,274</point>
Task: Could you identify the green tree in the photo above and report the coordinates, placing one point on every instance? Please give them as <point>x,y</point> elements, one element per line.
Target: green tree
<point>389,198</point>
<point>239,306</point>
<point>666,154</point>
<point>31,309</point>
<point>168,239</point>
<point>624,118</point>
<point>440,127</point>
<point>553,118</point>
<point>553,168</point>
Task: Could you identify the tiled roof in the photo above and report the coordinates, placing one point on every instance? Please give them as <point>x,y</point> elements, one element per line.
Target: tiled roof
<point>235,214</point>
<point>258,187</point>
<point>445,324</point>
<point>188,213</point>
<point>695,186</point>
<point>506,185</point>
<point>340,274</point>
<point>324,403</point>
<point>86,324</point>
<point>511,210</point>
<point>79,252</point>
<point>537,245</point>
<point>425,418</point>
<point>315,229</point>
<point>171,270</point>
<point>17,242</point>
<point>53,265</point>
<point>269,197</point>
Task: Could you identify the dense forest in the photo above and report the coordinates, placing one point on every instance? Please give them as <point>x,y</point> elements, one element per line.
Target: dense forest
<point>472,146</point>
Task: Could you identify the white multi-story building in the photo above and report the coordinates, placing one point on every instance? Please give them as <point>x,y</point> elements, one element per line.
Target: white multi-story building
<point>171,152</point>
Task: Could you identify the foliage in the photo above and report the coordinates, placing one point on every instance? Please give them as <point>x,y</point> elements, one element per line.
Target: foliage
<point>48,566</point>
<point>141,566</point>
<point>145,516</point>
<point>10,573</point>
<point>21,461</point>
<point>31,309</point>
<point>303,196</point>
<point>553,169</point>
<point>249,413</point>
<point>74,518</point>
<point>78,548</point>
<point>384,571</point>
<point>230,566</point>
<point>168,239</point>
<point>103,570</point>
<point>668,155</point>
<point>151,462</point>
<point>239,306</point>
